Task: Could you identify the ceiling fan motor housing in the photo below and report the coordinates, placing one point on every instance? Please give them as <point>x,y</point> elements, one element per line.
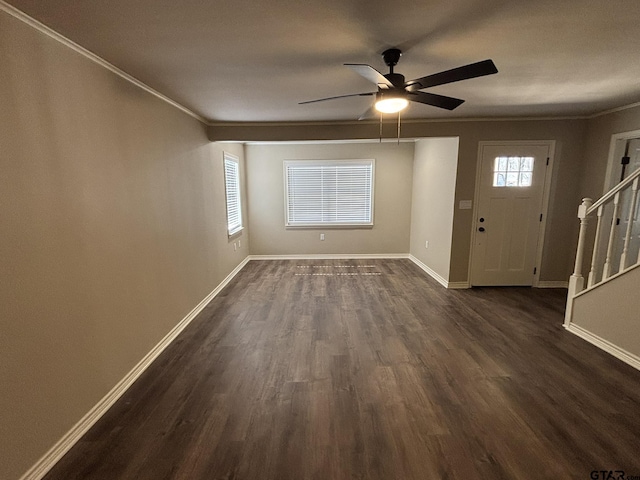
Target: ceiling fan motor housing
<point>396,79</point>
<point>391,57</point>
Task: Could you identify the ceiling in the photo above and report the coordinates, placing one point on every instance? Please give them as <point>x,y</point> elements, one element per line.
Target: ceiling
<point>254,60</point>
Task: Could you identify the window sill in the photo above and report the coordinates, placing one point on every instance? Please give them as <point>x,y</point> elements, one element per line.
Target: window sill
<point>235,233</point>
<point>329,226</point>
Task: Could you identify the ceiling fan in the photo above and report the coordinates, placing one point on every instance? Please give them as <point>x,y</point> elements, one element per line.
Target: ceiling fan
<point>394,93</point>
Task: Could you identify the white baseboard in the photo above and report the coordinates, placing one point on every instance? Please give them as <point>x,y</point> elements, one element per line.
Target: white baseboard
<point>429,271</point>
<point>329,256</point>
<point>621,354</point>
<point>433,274</point>
<point>458,285</point>
<point>55,453</point>
<point>552,284</point>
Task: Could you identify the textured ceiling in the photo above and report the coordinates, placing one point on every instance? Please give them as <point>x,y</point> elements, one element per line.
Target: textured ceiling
<point>254,60</point>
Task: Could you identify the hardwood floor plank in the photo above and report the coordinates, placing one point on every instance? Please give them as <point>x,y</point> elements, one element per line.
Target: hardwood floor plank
<point>368,369</point>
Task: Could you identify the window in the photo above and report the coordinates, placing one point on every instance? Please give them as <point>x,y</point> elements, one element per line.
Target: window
<point>513,172</point>
<point>232,189</point>
<point>330,192</point>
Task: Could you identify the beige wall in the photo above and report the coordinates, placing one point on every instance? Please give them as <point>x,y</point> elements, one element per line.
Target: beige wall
<point>598,140</point>
<point>113,229</point>
<point>392,208</point>
<point>113,224</point>
<point>610,311</point>
<point>434,182</point>
<point>561,233</point>
<point>557,259</point>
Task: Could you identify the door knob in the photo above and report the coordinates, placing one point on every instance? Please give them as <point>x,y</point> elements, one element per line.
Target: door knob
<point>481,229</point>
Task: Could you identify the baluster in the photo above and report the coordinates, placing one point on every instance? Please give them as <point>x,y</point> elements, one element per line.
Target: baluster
<point>632,214</point>
<point>593,272</point>
<point>576,281</point>
<point>606,271</point>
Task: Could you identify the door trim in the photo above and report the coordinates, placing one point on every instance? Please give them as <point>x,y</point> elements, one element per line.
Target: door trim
<point>615,138</point>
<point>551,144</point>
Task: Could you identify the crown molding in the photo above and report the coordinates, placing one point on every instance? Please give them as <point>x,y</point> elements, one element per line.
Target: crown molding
<point>42,28</point>
<point>222,124</point>
<point>340,142</point>
<point>327,123</point>
<point>614,110</point>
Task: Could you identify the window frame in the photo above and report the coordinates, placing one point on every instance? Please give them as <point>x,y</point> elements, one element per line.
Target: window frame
<point>289,224</point>
<point>238,226</point>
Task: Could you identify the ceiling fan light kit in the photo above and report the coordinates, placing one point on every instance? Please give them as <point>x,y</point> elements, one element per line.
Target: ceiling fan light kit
<point>392,104</point>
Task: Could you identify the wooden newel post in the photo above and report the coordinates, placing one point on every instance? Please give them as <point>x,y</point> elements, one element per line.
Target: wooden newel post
<point>576,281</point>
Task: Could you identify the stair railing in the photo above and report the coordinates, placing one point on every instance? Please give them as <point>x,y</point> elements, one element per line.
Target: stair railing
<point>616,200</point>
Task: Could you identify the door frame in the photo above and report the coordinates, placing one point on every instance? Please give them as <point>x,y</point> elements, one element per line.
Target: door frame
<point>611,161</point>
<point>551,144</point>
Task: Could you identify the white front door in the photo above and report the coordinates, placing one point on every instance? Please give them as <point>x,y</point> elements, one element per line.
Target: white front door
<point>508,214</point>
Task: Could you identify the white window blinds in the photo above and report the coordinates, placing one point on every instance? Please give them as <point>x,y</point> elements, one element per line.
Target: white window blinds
<point>338,192</point>
<point>232,189</point>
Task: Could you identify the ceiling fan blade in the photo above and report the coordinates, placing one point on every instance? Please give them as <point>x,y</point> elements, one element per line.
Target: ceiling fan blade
<point>448,103</point>
<point>370,113</point>
<point>473,70</point>
<point>367,94</point>
<point>370,73</point>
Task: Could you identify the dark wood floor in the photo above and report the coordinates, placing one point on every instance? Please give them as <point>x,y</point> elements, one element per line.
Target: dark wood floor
<point>369,369</point>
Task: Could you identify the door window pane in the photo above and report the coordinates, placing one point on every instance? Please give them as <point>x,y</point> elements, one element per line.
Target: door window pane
<point>513,171</point>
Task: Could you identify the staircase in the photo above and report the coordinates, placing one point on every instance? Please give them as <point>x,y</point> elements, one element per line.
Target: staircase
<point>605,311</point>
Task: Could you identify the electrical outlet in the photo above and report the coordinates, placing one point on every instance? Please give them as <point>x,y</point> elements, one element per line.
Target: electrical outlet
<point>426,244</point>
<point>322,236</point>
<point>239,245</point>
<point>235,246</point>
